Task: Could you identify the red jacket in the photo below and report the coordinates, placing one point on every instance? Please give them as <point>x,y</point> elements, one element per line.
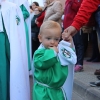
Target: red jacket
<point>85,12</point>
<point>71,8</point>
<point>40,19</point>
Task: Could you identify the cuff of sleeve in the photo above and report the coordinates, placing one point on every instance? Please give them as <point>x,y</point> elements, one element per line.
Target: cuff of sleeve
<point>76,25</point>
<point>55,53</point>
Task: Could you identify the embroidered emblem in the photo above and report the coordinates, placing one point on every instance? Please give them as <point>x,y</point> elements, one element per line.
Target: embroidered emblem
<point>66,53</point>
<point>17,20</point>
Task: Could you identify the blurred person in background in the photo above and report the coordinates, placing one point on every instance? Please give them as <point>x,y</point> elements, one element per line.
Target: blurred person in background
<point>54,11</point>
<point>95,57</point>
<point>33,5</point>
<point>71,8</point>
<point>31,10</point>
<point>87,8</point>
<point>40,18</point>
<point>90,34</point>
<point>35,29</point>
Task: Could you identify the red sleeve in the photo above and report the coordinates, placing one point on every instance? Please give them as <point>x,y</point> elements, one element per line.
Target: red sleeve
<point>85,12</point>
<point>40,18</point>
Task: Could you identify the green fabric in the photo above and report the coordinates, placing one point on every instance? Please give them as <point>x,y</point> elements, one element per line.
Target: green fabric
<point>49,71</point>
<point>4,66</point>
<point>26,15</point>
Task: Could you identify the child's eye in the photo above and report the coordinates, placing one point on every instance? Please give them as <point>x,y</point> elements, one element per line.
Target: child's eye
<point>57,39</point>
<point>48,38</point>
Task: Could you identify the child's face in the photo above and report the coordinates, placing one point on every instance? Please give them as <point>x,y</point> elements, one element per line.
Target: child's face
<point>36,11</point>
<point>50,37</point>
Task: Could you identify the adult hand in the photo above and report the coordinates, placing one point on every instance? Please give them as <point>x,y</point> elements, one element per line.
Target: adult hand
<point>71,30</point>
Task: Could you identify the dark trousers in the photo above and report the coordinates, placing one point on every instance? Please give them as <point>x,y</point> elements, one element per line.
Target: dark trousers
<point>97,18</point>
<point>79,46</point>
<point>94,40</point>
<point>98,36</point>
<point>85,41</point>
<point>35,45</point>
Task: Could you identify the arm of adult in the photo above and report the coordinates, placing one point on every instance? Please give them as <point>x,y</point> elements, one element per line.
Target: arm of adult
<point>85,12</point>
<point>82,17</point>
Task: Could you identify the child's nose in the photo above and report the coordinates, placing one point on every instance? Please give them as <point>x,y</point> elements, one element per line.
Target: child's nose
<point>52,41</point>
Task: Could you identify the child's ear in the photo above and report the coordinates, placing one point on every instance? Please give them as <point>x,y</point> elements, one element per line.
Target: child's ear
<point>40,38</point>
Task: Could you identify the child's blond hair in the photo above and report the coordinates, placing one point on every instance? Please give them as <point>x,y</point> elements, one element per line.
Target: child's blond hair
<point>49,25</point>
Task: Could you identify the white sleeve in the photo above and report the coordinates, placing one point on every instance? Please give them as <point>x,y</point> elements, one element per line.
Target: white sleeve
<point>66,54</point>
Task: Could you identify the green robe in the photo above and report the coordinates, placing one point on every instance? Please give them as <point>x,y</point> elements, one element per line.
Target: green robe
<point>49,71</point>
<point>4,66</point>
<point>26,15</point>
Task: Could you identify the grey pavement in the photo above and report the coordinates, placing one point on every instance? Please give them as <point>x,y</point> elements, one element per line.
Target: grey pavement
<point>81,89</point>
<point>76,96</point>
<point>82,80</point>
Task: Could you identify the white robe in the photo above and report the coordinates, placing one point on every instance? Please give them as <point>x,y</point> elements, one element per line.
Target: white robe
<point>28,20</point>
<point>19,80</point>
<point>68,85</point>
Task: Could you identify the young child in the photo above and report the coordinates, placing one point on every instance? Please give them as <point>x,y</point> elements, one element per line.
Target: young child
<point>51,62</point>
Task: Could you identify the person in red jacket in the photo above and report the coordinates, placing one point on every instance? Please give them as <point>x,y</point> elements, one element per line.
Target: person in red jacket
<point>40,18</point>
<point>82,17</point>
<point>71,9</point>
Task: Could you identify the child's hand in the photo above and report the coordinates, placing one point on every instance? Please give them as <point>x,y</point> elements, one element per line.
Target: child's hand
<point>69,39</point>
<point>54,48</point>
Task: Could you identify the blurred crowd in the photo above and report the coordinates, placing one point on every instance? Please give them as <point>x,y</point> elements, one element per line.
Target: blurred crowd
<point>53,10</point>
